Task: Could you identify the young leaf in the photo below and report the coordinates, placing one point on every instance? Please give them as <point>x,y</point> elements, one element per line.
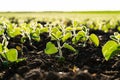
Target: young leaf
<point>56,35</point>
<point>65,45</point>
<point>94,39</point>
<point>113,37</point>
<point>80,37</point>
<point>69,29</point>
<point>75,23</point>
<point>67,35</point>
<point>1,31</point>
<point>23,39</point>
<point>1,49</point>
<point>11,55</point>
<point>55,29</point>
<point>110,49</point>
<point>14,32</point>
<point>118,36</point>
<point>35,36</point>
<point>50,48</point>
<point>42,30</point>
<point>19,60</point>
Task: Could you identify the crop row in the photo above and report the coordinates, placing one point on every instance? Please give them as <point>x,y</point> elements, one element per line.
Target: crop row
<point>61,34</point>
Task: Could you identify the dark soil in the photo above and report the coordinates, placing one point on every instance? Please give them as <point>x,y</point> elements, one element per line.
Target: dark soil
<point>88,64</point>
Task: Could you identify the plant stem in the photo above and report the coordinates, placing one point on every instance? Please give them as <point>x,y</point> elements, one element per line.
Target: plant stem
<point>50,30</point>
<point>74,32</point>
<point>59,48</point>
<point>29,39</point>
<point>63,30</point>
<point>1,59</point>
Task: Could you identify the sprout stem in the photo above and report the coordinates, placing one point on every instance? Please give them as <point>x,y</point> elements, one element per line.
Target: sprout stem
<point>59,48</point>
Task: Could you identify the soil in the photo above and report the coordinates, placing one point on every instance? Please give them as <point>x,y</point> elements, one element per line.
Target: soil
<point>88,64</point>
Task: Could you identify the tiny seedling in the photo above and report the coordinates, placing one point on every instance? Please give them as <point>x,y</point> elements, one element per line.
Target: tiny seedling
<point>13,31</point>
<point>30,32</point>
<point>94,39</point>
<point>11,55</point>
<point>52,49</point>
<point>111,47</point>
<point>83,36</point>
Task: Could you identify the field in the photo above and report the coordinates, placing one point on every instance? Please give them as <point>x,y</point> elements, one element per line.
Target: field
<point>60,45</point>
<point>70,15</point>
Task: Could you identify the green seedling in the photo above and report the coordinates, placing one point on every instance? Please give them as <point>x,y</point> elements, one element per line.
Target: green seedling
<point>11,55</point>
<point>30,32</point>
<point>65,34</point>
<point>83,36</point>
<point>93,38</point>
<point>13,31</point>
<point>3,28</point>
<point>80,33</point>
<point>35,35</point>
<point>116,37</point>
<point>112,47</point>
<point>52,49</point>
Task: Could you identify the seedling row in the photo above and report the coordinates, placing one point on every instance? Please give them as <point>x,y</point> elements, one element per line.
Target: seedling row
<point>61,36</point>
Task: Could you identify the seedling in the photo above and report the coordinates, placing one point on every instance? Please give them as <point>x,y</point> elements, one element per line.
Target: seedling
<point>11,55</point>
<point>111,47</point>
<point>29,32</point>
<point>61,34</point>
<point>116,37</point>
<point>12,30</point>
<point>52,49</point>
<point>83,36</point>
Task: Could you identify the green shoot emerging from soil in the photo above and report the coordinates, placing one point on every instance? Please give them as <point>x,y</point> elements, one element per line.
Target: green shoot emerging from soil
<point>112,47</point>
<point>60,34</point>
<point>11,55</point>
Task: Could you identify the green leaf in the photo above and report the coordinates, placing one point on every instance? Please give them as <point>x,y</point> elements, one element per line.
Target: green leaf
<point>79,28</point>
<point>42,30</point>
<point>1,30</point>
<point>75,23</point>
<point>1,48</point>
<point>57,35</point>
<point>11,55</point>
<point>55,29</point>
<point>14,32</point>
<point>67,35</point>
<point>50,48</point>
<point>113,38</point>
<point>80,37</point>
<point>69,29</point>
<point>110,49</point>
<point>23,39</point>
<point>65,45</point>
<point>35,36</point>
<point>37,31</point>
<point>19,60</point>
<point>94,39</point>
<point>84,28</point>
